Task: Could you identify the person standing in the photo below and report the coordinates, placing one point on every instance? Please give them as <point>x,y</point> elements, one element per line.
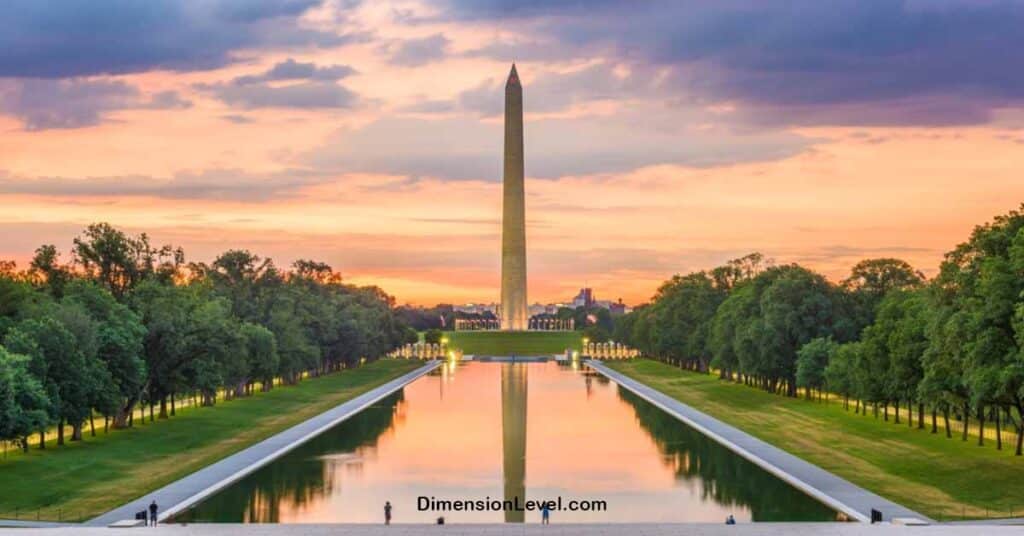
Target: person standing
<point>387,512</point>
<point>153,508</point>
<point>545,513</point>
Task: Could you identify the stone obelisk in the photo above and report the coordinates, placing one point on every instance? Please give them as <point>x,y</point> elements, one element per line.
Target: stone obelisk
<point>513,220</point>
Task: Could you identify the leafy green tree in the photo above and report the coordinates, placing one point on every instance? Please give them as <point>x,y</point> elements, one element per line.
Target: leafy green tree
<point>167,313</point>
<point>840,374</point>
<point>871,280</point>
<point>261,349</point>
<point>683,310</point>
<point>15,297</point>
<point>119,262</point>
<point>597,333</point>
<point>24,407</point>
<point>120,335</point>
<point>732,318</point>
<point>214,342</point>
<point>245,280</point>
<point>58,362</point>
<point>811,361</point>
<point>980,295</point>
<point>898,336</point>
<point>296,351</point>
<point>943,384</point>
<point>47,271</point>
<point>432,336</point>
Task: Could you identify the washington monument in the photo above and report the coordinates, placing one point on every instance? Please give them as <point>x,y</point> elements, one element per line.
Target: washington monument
<point>513,220</point>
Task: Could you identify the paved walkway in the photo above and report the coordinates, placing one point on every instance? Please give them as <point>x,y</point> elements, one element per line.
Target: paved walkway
<point>183,493</point>
<point>836,492</point>
<point>632,529</point>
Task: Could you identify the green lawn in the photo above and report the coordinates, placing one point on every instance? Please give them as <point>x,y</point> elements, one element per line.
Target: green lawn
<point>84,479</point>
<point>514,342</point>
<point>941,478</point>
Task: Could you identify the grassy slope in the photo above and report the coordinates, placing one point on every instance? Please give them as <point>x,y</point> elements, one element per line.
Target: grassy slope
<point>514,342</point>
<point>85,479</point>
<point>939,477</point>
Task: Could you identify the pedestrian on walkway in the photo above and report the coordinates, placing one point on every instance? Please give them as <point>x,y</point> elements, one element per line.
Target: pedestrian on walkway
<point>387,512</point>
<point>545,513</point>
<point>153,508</point>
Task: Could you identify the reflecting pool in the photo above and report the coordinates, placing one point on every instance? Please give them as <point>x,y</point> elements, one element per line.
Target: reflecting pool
<point>518,432</point>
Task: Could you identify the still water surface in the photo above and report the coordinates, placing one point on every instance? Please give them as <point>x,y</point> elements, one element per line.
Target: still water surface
<point>536,431</point>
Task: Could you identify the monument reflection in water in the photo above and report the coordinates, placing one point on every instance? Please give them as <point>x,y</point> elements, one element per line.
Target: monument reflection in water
<point>462,433</point>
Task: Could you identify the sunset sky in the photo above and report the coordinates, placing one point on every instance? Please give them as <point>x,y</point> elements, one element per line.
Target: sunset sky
<point>662,136</point>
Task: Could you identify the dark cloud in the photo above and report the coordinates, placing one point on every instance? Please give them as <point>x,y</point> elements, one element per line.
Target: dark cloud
<point>45,104</point>
<point>802,62</point>
<point>42,104</point>
<point>66,38</point>
<point>224,184</point>
<point>167,100</point>
<point>510,9</point>
<point>418,51</point>
<point>236,119</point>
<point>312,87</point>
<point>294,70</point>
<point>305,95</point>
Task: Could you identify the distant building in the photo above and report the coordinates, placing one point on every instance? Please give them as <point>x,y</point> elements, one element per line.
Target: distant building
<point>584,299</point>
<point>617,308</point>
<point>476,308</point>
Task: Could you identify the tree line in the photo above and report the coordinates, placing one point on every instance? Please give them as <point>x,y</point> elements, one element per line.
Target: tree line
<point>883,338</point>
<point>124,324</point>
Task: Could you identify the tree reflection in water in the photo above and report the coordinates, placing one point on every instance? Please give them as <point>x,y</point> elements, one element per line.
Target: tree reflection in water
<point>726,478</point>
<point>306,477</point>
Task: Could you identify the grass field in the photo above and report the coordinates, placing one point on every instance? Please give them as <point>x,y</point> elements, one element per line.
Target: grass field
<point>84,479</point>
<point>514,342</point>
<point>941,478</point>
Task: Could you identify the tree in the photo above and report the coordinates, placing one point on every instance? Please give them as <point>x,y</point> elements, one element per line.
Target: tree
<point>811,362</point>
<point>683,310</point>
<point>24,407</point>
<point>119,262</point>
<point>166,312</point>
<point>798,306</point>
<point>839,373</point>
<point>120,336</point>
<point>15,297</point>
<point>432,336</point>
<point>899,334</point>
<point>979,294</point>
<point>47,272</point>
<point>245,280</point>
<point>261,348</point>
<point>870,280</point>
<point>60,365</point>
<point>213,341</point>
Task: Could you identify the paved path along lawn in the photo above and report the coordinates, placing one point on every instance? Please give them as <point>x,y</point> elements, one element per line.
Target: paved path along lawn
<point>183,493</point>
<point>530,529</point>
